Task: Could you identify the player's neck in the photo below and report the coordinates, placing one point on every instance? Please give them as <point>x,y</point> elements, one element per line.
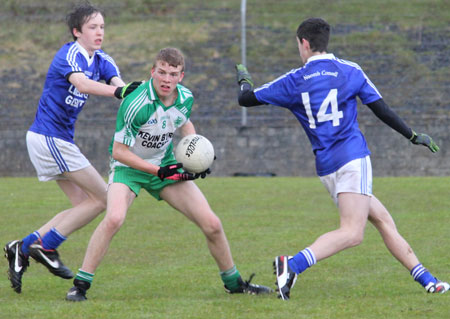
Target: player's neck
<point>315,53</point>
<point>170,99</point>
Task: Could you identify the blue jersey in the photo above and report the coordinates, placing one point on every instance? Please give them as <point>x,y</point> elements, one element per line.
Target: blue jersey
<point>61,102</point>
<point>322,95</point>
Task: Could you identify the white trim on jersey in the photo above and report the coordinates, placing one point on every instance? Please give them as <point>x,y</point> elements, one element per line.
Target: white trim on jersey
<point>185,93</point>
<point>356,66</point>
<point>109,59</point>
<point>152,93</point>
<point>133,109</point>
<point>276,80</point>
<point>326,56</point>
<point>85,54</point>
<point>71,58</point>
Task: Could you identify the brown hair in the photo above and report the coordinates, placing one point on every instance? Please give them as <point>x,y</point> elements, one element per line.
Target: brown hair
<point>172,56</point>
<point>80,15</point>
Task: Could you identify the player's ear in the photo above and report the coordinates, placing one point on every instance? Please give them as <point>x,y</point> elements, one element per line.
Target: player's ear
<point>76,33</point>
<point>305,43</point>
<point>181,77</point>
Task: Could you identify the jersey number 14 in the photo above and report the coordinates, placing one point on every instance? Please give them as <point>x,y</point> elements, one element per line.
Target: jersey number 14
<point>322,115</point>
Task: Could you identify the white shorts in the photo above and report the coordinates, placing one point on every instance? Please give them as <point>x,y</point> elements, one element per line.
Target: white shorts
<point>52,156</point>
<point>353,177</point>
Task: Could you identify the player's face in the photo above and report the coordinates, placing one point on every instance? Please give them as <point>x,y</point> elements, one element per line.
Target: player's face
<point>92,32</point>
<point>165,79</point>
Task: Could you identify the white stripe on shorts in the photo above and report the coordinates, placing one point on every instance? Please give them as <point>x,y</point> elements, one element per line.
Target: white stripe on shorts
<point>52,156</point>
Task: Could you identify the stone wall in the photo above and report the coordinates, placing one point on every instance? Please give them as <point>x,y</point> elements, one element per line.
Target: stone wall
<point>281,148</point>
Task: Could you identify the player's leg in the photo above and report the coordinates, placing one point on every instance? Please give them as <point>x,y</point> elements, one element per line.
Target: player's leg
<point>353,211</point>
<point>400,249</point>
<point>120,198</point>
<point>63,224</point>
<point>73,192</point>
<point>350,188</point>
<point>89,181</point>
<point>48,157</point>
<point>187,198</point>
<point>56,159</point>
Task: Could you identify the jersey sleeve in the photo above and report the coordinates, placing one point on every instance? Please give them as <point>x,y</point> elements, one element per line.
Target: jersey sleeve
<point>130,117</point>
<point>186,100</point>
<point>66,61</point>
<point>368,93</point>
<point>278,92</point>
<point>108,67</point>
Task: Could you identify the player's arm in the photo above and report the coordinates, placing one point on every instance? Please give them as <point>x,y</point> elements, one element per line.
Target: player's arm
<point>246,96</point>
<point>116,81</point>
<point>187,129</point>
<point>388,116</point>
<point>118,88</point>
<point>121,152</point>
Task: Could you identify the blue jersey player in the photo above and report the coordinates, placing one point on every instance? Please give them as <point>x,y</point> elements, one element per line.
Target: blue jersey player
<point>73,75</point>
<point>322,96</point>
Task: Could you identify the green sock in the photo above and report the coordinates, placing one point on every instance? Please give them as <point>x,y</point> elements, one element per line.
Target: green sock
<point>230,278</point>
<point>85,276</point>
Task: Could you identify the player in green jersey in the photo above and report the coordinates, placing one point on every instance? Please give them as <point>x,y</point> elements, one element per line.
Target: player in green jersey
<point>142,157</point>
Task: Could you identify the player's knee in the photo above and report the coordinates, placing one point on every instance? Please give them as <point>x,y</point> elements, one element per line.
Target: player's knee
<point>212,226</point>
<point>99,204</point>
<point>355,239</point>
<point>113,222</point>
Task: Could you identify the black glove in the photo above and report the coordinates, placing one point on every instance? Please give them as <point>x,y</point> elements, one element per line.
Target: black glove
<point>171,172</point>
<point>202,174</point>
<point>122,91</point>
<point>425,140</point>
<point>243,75</point>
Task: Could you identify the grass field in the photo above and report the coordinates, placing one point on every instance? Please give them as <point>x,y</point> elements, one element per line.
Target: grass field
<point>159,267</point>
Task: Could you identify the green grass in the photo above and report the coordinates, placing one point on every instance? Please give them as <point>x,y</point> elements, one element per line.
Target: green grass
<point>158,265</point>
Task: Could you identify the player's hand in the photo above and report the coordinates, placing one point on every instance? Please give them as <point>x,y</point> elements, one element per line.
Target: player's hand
<point>424,139</point>
<point>122,91</point>
<point>242,75</point>
<point>171,172</point>
<point>202,174</point>
<point>182,177</point>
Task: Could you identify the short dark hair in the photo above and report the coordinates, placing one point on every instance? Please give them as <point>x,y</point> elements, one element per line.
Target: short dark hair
<point>316,31</point>
<point>172,56</point>
<point>79,16</point>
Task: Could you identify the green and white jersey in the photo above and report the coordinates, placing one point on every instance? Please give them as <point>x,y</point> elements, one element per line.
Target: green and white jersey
<point>147,126</point>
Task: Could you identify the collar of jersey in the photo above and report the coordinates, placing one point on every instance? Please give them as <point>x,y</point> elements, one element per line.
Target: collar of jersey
<point>154,97</point>
<point>84,52</point>
<point>326,56</point>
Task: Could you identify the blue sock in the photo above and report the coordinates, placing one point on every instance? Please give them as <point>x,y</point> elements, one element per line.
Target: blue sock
<point>27,241</point>
<point>52,239</point>
<point>422,275</point>
<point>302,261</point>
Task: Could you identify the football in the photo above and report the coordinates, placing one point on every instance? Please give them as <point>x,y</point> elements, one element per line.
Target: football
<point>195,152</point>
